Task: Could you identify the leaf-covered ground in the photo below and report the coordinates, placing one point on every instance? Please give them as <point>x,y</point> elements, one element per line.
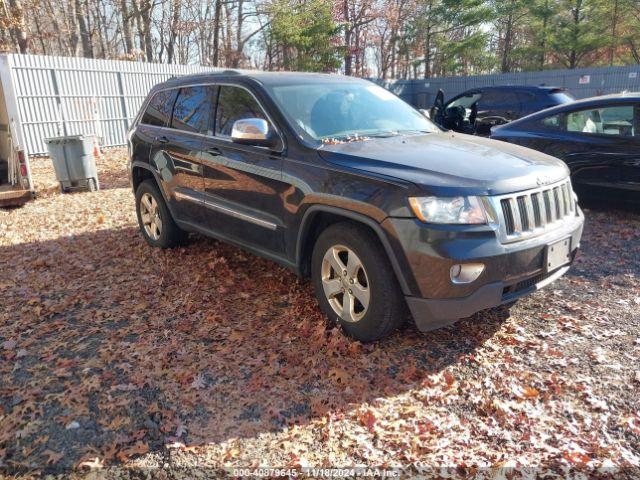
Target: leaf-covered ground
<point>114,355</point>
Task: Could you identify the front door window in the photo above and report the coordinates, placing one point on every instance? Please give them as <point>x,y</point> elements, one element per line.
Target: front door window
<point>614,120</point>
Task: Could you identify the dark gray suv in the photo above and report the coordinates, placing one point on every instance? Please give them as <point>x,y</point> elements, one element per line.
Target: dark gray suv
<point>340,180</point>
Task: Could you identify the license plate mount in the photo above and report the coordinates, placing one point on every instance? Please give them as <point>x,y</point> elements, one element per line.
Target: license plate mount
<point>557,254</point>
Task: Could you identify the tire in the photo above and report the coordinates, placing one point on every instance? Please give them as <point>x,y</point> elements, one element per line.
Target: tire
<point>162,231</point>
<point>386,310</point>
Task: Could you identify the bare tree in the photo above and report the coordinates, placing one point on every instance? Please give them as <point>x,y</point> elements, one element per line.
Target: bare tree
<point>18,26</point>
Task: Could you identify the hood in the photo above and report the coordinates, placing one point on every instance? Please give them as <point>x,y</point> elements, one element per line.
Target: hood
<point>449,163</point>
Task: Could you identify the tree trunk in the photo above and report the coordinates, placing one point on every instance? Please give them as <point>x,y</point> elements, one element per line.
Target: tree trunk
<point>573,54</point>
<point>74,38</point>
<point>43,44</point>
<point>505,64</point>
<point>19,28</point>
<point>143,20</point>
<point>614,26</point>
<point>543,37</point>
<point>216,33</point>
<point>239,43</point>
<point>101,30</point>
<point>126,27</point>
<point>85,35</point>
<point>635,51</point>
<point>427,52</point>
<point>173,33</point>
<point>348,58</point>
<point>146,24</point>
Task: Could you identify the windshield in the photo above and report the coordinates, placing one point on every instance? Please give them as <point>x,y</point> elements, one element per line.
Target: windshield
<point>465,101</point>
<point>341,111</point>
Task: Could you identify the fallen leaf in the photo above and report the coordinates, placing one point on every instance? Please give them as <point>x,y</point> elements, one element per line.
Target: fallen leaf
<point>92,464</point>
<point>52,457</point>
<point>367,419</point>
<point>139,448</point>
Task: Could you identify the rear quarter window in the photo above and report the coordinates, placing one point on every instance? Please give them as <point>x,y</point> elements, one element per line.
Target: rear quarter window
<point>553,122</point>
<point>158,109</point>
<point>527,101</point>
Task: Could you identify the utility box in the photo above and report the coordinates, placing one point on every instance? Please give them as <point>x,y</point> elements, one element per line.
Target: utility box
<point>74,161</point>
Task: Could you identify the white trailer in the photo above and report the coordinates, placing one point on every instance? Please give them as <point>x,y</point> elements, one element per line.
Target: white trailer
<point>43,97</point>
<point>16,184</point>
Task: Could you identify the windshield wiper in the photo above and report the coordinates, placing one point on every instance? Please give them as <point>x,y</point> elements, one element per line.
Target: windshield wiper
<point>415,131</point>
<point>390,133</point>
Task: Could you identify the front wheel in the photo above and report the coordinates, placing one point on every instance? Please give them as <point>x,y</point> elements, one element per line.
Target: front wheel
<point>154,219</point>
<point>355,284</point>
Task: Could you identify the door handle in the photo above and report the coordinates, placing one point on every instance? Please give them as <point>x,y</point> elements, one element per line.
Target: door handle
<point>162,139</point>
<point>214,151</point>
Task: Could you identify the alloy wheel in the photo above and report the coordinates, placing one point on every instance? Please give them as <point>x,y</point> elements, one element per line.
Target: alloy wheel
<point>345,283</point>
<point>150,215</point>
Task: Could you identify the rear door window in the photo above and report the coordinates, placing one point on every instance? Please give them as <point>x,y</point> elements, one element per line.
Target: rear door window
<point>235,103</point>
<point>193,110</point>
<point>490,98</point>
<point>527,101</point>
<point>159,108</point>
<point>498,99</point>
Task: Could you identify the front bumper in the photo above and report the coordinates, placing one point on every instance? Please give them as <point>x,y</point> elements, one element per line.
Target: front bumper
<point>511,270</point>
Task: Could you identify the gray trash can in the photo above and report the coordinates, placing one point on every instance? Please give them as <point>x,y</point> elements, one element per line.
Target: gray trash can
<point>74,161</point>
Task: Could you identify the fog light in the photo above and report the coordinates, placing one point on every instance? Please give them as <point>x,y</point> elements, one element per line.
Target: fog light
<point>466,273</point>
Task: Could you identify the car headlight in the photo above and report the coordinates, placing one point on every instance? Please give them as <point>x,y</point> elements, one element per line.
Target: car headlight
<point>452,210</point>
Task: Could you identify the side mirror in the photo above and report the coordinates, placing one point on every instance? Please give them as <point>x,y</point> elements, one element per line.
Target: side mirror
<point>252,131</point>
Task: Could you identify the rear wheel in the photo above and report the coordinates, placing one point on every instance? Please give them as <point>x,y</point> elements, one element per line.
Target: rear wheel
<point>154,219</point>
<point>355,284</point>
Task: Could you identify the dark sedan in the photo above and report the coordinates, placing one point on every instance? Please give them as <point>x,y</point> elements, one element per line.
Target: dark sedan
<point>598,138</point>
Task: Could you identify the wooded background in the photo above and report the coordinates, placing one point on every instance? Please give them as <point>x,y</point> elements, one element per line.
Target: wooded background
<point>372,38</point>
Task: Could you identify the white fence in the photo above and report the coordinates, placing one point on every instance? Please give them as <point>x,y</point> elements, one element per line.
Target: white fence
<point>67,96</point>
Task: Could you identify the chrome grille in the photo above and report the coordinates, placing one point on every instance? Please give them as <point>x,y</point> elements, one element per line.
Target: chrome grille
<point>533,212</point>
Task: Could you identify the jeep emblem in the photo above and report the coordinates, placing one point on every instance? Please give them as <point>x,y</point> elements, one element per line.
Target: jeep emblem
<point>543,181</point>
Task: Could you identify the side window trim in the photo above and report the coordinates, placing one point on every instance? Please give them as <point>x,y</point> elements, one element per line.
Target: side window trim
<point>214,103</point>
<point>230,84</point>
<point>176,94</point>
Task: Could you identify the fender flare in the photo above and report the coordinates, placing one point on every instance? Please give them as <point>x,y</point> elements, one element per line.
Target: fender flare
<point>158,180</point>
<point>358,217</point>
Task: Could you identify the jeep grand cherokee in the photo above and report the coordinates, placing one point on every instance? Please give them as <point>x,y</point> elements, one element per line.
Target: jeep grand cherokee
<point>340,180</point>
